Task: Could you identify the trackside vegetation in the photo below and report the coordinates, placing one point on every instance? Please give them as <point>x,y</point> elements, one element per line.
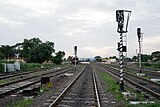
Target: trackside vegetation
<point>112,85</point>
<point>151,65</point>
<point>35,66</point>
<point>30,66</point>
<point>32,50</point>
<point>113,88</point>
<point>21,103</point>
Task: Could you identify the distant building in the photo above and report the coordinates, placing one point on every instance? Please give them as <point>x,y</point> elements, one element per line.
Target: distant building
<point>108,61</point>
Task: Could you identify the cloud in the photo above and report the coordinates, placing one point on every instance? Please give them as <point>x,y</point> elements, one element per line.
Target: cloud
<point>38,8</point>
<point>103,51</point>
<point>86,19</point>
<point>9,22</point>
<point>151,44</point>
<point>91,16</point>
<point>150,41</point>
<point>91,25</point>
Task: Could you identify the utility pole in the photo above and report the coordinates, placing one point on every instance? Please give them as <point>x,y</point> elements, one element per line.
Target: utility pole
<point>122,28</point>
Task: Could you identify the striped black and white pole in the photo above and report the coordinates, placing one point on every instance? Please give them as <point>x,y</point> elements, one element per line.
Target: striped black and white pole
<point>122,28</point>
<point>121,63</point>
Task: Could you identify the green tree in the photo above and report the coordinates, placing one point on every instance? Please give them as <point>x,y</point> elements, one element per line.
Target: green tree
<point>58,58</point>
<point>146,58</point>
<point>70,58</point>
<point>7,51</point>
<point>128,59</point>
<point>28,45</point>
<point>113,57</point>
<point>98,58</point>
<point>40,53</point>
<point>17,48</point>
<point>88,60</point>
<point>155,56</point>
<point>135,58</point>
<point>1,55</point>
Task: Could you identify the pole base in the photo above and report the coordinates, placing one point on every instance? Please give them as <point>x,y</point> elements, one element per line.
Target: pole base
<point>140,71</point>
<point>141,74</point>
<point>121,87</point>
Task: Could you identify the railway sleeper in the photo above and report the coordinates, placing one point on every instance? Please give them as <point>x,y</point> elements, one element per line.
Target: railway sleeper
<point>31,91</point>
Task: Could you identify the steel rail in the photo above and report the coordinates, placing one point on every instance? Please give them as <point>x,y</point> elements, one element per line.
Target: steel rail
<point>6,76</point>
<point>157,95</point>
<point>156,83</point>
<point>34,82</point>
<point>145,70</point>
<point>13,75</point>
<point>65,90</point>
<point>130,74</point>
<point>23,79</point>
<point>96,90</point>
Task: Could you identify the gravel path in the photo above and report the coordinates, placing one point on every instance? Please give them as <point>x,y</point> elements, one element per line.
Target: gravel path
<point>58,83</point>
<point>9,100</point>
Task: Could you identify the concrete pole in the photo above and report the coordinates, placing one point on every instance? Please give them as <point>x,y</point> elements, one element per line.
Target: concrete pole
<point>140,57</point>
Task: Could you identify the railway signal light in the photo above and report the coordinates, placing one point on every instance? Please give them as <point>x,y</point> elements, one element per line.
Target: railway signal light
<point>75,49</point>
<point>122,17</point>
<point>139,33</point>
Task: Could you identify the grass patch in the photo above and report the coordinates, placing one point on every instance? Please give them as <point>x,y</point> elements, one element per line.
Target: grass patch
<point>32,66</point>
<point>22,103</point>
<point>27,102</point>
<point>29,66</point>
<point>36,66</point>
<point>44,88</point>
<point>152,65</point>
<point>113,87</point>
<point>4,81</point>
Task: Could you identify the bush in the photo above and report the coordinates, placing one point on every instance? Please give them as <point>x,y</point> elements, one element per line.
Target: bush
<point>29,66</point>
<point>147,64</point>
<point>156,65</point>
<point>34,66</point>
<point>1,67</point>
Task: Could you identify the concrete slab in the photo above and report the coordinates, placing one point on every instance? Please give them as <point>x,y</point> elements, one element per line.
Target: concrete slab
<point>141,102</point>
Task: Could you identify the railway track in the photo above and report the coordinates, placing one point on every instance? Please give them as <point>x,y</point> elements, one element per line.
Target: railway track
<point>26,76</point>
<point>21,74</point>
<point>5,76</point>
<point>134,70</point>
<point>8,88</point>
<point>145,85</point>
<point>83,91</point>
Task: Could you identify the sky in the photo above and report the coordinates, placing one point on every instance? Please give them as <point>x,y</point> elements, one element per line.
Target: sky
<point>88,24</point>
